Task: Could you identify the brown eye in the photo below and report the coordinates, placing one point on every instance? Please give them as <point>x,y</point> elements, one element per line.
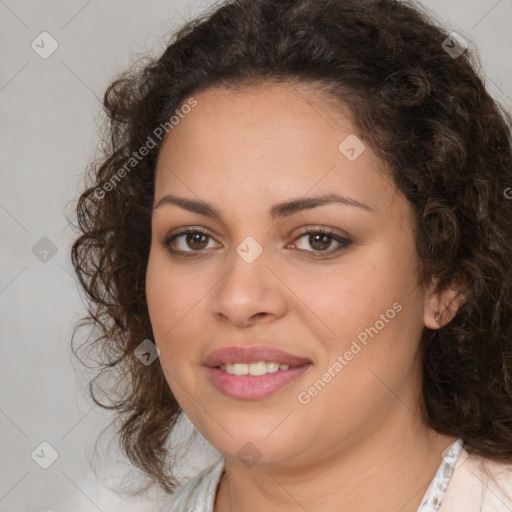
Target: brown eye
<point>188,240</point>
<point>195,241</point>
<point>192,240</point>
<point>321,239</point>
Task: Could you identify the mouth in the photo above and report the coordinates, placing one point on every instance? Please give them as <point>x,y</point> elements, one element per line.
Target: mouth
<point>252,373</point>
<point>253,355</point>
<point>255,369</point>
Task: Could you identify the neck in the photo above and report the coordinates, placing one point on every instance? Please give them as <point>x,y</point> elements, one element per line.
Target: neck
<point>388,471</point>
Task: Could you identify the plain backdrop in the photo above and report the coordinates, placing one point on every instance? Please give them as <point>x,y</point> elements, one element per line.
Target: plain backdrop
<point>49,111</point>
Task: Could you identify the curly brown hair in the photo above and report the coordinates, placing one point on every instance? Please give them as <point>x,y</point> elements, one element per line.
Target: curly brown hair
<point>425,112</point>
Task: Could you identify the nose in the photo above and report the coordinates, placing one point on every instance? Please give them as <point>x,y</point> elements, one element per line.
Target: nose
<point>249,292</point>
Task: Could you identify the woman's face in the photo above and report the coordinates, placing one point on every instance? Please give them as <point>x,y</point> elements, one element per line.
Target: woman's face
<point>349,308</point>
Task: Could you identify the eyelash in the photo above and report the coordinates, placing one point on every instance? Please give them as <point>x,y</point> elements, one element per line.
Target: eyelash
<point>345,242</point>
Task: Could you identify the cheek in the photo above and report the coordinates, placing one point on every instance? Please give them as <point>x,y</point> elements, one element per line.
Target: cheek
<point>159,297</point>
<point>374,311</point>
<point>355,296</point>
<point>176,303</point>
<point>167,303</point>
<point>369,368</point>
<point>171,295</point>
<point>171,302</point>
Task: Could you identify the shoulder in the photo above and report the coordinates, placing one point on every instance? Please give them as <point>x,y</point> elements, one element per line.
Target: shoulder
<point>198,494</point>
<point>479,484</point>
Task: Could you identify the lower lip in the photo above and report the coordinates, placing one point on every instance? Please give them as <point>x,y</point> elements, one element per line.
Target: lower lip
<point>250,387</point>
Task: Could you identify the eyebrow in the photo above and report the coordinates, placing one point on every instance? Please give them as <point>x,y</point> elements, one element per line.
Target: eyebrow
<point>278,210</point>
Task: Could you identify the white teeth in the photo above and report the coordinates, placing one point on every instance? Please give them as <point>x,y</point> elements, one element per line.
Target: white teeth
<point>255,369</point>
<point>272,367</point>
<point>259,368</point>
<point>240,369</point>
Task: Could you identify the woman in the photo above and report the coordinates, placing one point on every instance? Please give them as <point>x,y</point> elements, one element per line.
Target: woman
<point>300,237</point>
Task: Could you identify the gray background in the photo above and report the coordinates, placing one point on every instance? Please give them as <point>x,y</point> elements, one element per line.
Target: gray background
<point>49,110</point>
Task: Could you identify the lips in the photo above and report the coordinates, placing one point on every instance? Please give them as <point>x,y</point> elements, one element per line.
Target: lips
<point>253,387</point>
<point>231,355</point>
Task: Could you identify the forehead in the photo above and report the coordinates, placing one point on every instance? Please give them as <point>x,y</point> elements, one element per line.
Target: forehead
<point>277,109</point>
<point>275,141</point>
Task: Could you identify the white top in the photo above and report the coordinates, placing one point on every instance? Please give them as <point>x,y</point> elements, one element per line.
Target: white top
<point>477,484</point>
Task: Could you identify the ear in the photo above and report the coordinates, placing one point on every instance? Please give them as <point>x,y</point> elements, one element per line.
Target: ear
<point>441,304</point>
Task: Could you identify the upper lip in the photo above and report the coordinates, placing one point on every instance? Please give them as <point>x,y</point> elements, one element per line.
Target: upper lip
<point>252,354</point>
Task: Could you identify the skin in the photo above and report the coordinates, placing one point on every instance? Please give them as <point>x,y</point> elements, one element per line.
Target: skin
<point>360,443</point>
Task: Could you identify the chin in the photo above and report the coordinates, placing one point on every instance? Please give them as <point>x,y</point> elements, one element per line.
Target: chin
<point>247,439</point>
